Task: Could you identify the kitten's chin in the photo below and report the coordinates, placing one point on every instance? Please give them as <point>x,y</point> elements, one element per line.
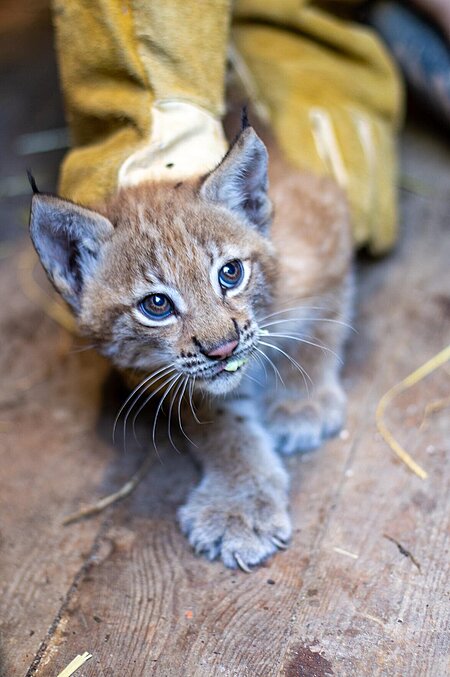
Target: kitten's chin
<point>220,384</point>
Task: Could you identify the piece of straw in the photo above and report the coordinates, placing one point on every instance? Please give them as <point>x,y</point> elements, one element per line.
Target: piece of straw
<point>416,376</point>
<point>73,666</point>
<point>106,501</point>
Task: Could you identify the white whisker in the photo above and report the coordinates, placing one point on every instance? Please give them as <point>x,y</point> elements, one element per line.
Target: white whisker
<point>136,389</point>
<point>300,339</point>
<point>158,409</point>
<point>294,363</point>
<point>290,310</point>
<point>255,380</point>
<point>191,403</point>
<point>171,378</point>
<point>169,415</point>
<point>272,364</point>
<point>82,349</point>
<point>257,357</point>
<point>310,319</point>
<point>186,381</point>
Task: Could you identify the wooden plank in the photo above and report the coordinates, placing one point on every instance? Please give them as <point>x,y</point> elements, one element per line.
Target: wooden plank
<point>377,614</point>
<point>48,418</point>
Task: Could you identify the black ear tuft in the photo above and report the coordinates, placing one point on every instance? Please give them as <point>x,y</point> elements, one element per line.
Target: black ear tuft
<point>244,118</point>
<point>32,181</point>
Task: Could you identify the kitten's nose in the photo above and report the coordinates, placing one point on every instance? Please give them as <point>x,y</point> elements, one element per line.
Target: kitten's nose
<point>223,351</point>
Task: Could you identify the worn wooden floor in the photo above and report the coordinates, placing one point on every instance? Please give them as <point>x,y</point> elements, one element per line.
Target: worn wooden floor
<point>363,589</point>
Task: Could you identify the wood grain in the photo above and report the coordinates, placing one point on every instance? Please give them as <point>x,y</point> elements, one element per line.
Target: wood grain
<point>345,599</point>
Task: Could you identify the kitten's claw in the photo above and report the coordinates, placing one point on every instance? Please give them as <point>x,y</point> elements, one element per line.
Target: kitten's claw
<point>241,564</point>
<point>279,543</point>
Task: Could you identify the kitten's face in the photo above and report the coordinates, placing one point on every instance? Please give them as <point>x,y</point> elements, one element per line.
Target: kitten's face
<point>180,282</point>
<point>172,275</point>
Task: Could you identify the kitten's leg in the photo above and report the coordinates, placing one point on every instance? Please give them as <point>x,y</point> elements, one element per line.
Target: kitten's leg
<point>238,512</point>
<point>312,407</point>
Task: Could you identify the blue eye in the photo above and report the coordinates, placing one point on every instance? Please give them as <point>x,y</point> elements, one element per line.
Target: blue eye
<point>231,274</point>
<point>156,306</point>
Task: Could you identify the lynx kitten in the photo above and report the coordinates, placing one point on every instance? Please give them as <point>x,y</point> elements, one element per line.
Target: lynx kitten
<point>193,286</point>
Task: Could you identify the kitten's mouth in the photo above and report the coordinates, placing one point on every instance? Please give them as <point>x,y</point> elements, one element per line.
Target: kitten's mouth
<point>226,369</point>
<point>222,377</point>
<point>232,366</point>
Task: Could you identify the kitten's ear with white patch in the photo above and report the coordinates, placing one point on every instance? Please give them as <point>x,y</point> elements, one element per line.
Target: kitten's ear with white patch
<point>68,239</point>
<point>240,182</point>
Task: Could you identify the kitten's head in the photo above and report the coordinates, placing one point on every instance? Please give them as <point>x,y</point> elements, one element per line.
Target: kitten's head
<point>169,274</point>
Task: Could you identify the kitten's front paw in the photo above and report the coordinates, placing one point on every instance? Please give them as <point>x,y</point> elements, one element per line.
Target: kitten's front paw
<point>242,526</point>
<point>303,424</point>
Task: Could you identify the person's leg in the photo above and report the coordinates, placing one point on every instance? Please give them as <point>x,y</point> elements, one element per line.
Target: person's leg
<point>140,76</point>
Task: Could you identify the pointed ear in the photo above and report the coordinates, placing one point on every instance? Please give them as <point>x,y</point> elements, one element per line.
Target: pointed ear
<point>240,182</point>
<point>68,239</point>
